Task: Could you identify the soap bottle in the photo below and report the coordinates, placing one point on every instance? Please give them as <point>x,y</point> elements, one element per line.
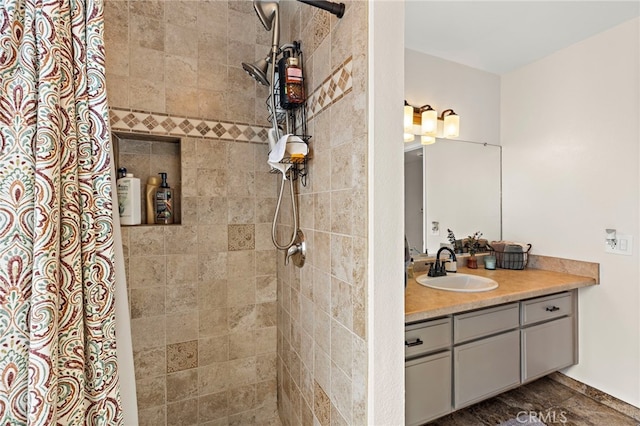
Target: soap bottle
<point>128,188</point>
<point>291,83</point>
<point>164,202</point>
<point>153,182</point>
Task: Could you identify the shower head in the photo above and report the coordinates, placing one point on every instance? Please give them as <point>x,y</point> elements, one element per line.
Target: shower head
<point>258,70</point>
<point>268,12</point>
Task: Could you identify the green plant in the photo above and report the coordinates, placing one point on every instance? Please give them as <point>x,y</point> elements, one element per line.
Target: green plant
<point>472,242</point>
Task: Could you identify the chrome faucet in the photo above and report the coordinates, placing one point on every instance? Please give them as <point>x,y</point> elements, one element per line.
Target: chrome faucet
<point>438,269</point>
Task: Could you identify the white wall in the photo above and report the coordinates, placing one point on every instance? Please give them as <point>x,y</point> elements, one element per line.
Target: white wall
<point>570,135</point>
<point>385,304</point>
<point>473,94</point>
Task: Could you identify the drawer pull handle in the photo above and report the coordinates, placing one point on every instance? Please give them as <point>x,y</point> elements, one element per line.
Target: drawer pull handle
<point>552,308</point>
<point>416,342</point>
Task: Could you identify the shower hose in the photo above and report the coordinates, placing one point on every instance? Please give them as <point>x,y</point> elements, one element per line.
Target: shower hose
<point>274,122</point>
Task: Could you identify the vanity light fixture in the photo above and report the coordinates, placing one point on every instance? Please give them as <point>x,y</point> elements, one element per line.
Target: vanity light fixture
<point>423,121</point>
<point>451,123</point>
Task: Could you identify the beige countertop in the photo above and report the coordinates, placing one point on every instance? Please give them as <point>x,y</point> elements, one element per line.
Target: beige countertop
<point>421,302</point>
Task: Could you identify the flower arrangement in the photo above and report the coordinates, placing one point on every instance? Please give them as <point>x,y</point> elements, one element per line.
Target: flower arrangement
<point>472,242</point>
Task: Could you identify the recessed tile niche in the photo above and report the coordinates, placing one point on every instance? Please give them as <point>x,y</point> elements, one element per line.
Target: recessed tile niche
<point>146,156</point>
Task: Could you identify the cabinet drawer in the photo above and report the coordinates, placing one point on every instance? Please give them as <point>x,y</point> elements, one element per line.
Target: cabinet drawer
<point>486,367</point>
<point>428,336</point>
<point>484,322</point>
<point>547,347</point>
<point>427,388</point>
<point>546,308</point>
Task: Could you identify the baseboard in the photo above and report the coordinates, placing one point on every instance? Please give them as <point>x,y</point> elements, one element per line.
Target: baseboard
<point>597,395</point>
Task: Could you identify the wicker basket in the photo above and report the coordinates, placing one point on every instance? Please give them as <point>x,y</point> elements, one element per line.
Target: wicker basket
<point>512,260</point>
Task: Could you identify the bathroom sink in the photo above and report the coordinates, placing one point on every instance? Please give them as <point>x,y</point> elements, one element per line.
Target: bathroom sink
<point>458,282</point>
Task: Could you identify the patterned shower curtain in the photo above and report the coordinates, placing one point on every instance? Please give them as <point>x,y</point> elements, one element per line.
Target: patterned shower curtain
<point>57,329</point>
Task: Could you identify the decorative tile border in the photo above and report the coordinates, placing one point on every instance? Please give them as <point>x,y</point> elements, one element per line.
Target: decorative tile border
<point>338,84</point>
<point>167,125</point>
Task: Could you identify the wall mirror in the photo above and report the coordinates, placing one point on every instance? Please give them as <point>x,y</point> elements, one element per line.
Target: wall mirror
<point>455,185</point>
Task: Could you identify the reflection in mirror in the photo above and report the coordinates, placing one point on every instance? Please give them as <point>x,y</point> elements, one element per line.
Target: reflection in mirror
<point>413,200</point>
<point>458,186</point>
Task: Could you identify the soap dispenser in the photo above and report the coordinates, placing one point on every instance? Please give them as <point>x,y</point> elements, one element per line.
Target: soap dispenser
<point>164,202</point>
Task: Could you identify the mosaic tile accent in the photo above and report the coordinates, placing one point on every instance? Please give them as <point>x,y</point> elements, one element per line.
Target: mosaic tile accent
<point>181,356</point>
<point>338,84</point>
<point>161,124</point>
<point>241,237</point>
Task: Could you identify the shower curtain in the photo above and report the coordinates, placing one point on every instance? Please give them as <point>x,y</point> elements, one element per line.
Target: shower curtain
<point>57,327</point>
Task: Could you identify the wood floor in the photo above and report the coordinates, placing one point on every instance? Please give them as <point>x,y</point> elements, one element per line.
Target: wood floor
<point>544,400</point>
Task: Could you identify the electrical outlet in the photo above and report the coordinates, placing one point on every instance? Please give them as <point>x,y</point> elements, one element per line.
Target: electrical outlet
<point>624,245</point>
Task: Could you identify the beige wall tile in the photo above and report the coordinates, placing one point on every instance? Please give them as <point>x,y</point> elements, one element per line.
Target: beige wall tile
<point>148,333</point>
<point>212,210</point>
<point>182,385</point>
<point>150,363</point>
<point>150,392</point>
<point>146,241</point>
<point>147,302</point>
<point>266,288</point>
<point>213,378</point>
<point>212,407</point>
<point>181,269</point>
<point>213,349</point>
<point>241,345</point>
<point>212,238</point>
<point>341,395</point>
<point>153,416</point>
<point>212,266</point>
<point>242,371</point>
<point>213,322</point>
<point>183,412</point>
<point>242,398</point>
<point>342,302</point>
<point>212,294</point>
<point>321,405</point>
<point>265,366</point>
<point>182,327</point>
<point>147,271</point>
<point>181,40</point>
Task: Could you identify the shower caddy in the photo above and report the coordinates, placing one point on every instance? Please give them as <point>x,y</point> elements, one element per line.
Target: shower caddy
<point>289,118</point>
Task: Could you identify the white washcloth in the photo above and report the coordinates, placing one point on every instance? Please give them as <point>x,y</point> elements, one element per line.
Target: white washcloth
<point>281,167</point>
<point>277,153</point>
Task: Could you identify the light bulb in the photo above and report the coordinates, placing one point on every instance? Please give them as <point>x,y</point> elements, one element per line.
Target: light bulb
<point>451,126</point>
<point>429,122</point>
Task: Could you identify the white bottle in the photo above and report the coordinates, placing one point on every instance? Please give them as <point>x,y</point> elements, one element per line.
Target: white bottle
<point>129,200</point>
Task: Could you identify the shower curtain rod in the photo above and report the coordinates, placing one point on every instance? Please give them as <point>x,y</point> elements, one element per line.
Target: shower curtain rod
<point>334,8</point>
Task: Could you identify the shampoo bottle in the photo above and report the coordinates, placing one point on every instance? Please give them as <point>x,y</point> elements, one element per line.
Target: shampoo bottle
<point>153,182</point>
<point>164,202</point>
<point>128,188</point>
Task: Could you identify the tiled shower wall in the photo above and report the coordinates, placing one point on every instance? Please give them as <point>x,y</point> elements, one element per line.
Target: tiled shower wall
<point>202,293</point>
<point>322,336</point>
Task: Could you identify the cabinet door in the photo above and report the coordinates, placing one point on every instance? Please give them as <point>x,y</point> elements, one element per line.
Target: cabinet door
<point>427,388</point>
<point>547,347</point>
<point>485,368</point>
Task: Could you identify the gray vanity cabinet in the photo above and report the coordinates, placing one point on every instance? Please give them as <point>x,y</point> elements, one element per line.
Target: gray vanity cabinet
<point>427,370</point>
<point>548,334</point>
<point>486,355</point>
<point>466,357</point>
